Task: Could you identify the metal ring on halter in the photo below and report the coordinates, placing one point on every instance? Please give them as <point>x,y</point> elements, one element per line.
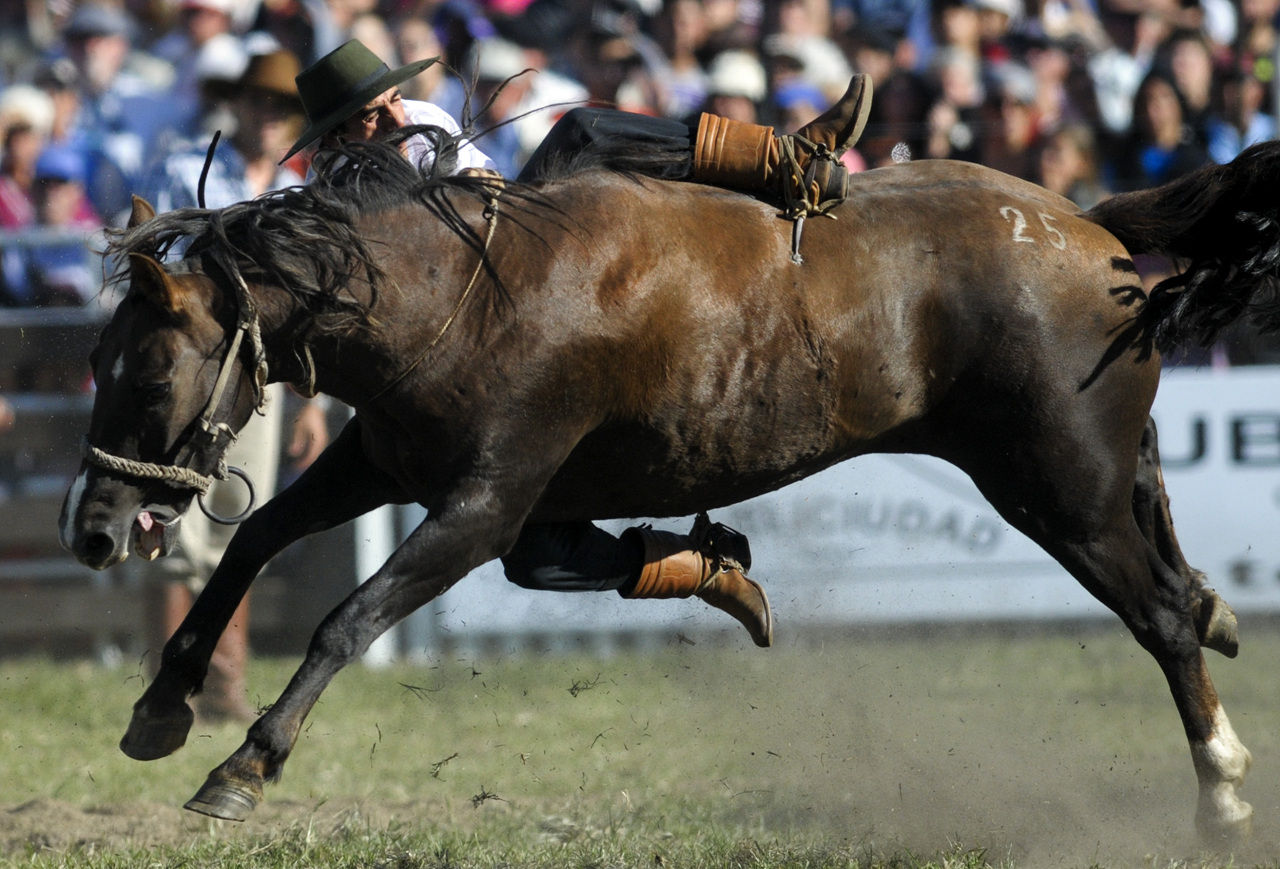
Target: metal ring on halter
<point>243,515</point>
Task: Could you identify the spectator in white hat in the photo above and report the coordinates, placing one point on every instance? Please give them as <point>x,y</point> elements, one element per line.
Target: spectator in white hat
<point>26,119</point>
<point>736,85</point>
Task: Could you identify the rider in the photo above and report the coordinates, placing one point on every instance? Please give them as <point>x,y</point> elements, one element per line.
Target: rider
<point>351,95</point>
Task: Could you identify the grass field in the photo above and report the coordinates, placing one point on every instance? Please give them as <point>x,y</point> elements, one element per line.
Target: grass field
<point>959,750</point>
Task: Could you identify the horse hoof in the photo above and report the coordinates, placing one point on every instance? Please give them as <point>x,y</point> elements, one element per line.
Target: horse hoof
<point>1223,820</point>
<point>151,737</point>
<point>222,800</point>
<point>1227,834</point>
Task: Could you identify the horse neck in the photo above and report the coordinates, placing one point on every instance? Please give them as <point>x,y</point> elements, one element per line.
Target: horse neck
<point>289,333</point>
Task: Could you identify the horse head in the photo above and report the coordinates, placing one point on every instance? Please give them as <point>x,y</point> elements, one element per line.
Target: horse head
<point>175,380</point>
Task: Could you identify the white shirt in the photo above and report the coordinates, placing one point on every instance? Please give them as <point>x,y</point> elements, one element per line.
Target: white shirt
<point>420,152</point>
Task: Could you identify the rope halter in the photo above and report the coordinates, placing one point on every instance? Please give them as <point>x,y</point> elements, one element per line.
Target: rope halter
<point>180,476</point>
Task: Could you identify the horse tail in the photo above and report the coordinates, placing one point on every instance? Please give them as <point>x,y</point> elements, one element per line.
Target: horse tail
<point>1220,226</point>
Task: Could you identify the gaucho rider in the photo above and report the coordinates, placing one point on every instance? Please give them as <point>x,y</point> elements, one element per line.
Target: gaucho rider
<point>351,95</point>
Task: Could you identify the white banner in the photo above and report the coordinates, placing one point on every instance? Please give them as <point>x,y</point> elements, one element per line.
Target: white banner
<point>908,538</point>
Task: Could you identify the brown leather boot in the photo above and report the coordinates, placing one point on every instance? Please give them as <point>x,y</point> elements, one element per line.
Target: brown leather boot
<point>224,696</point>
<point>703,563</point>
<point>801,168</point>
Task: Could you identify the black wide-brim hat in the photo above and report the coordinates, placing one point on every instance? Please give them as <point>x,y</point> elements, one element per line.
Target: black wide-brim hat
<point>339,84</point>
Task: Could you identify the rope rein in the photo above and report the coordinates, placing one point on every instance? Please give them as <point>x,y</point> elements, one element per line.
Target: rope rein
<point>491,215</point>
<point>178,477</point>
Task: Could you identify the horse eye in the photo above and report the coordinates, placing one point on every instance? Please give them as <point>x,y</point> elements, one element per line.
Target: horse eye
<point>151,394</point>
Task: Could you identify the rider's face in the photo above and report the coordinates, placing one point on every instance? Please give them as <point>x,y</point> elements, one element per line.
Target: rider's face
<point>380,116</point>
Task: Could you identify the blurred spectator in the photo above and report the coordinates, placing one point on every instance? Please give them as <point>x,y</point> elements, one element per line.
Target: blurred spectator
<point>1014,131</point>
<point>1057,96</point>
<point>121,107</point>
<point>732,24</point>
<point>1120,65</point>
<point>1259,44</point>
<point>957,25</point>
<point>815,59</point>
<point>304,27</point>
<point>264,102</point>
<point>613,71</point>
<point>58,272</point>
<point>1241,121</point>
<point>416,40</point>
<point>681,32</point>
<point>996,20</point>
<point>1187,57</point>
<point>905,22</point>
<point>1160,147</point>
<point>1070,166</point>
<point>374,33</point>
<point>955,118</point>
<point>202,25</point>
<point>798,103</point>
<point>874,53</point>
<point>7,417</point>
<point>458,24</point>
<point>26,120</point>
<point>60,81</point>
<point>495,66</point>
<point>898,127</point>
<point>736,86</point>
<point>550,94</point>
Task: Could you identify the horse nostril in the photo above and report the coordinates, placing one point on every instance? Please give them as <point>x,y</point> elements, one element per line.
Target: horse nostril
<point>97,547</point>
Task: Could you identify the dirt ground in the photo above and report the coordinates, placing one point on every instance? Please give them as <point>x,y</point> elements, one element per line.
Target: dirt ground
<point>1062,769</point>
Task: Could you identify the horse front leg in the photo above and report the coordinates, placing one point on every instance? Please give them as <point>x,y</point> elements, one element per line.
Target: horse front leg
<point>339,486</point>
<point>471,530</point>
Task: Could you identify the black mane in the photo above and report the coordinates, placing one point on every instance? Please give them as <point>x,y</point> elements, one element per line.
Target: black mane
<point>305,239</point>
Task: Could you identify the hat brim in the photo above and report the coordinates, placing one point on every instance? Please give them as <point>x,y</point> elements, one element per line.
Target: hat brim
<point>318,127</point>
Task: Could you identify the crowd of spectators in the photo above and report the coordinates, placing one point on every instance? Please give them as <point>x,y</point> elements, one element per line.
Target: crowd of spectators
<point>1085,97</point>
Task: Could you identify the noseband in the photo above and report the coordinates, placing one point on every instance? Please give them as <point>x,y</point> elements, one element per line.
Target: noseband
<point>181,476</point>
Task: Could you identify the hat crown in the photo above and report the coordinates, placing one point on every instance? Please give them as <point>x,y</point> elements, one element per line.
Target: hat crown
<point>341,83</point>
<point>276,72</point>
<point>329,82</point>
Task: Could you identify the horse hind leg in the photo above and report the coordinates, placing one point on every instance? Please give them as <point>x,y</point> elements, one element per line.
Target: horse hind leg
<point>1125,572</point>
<point>1083,517</point>
<point>1215,622</point>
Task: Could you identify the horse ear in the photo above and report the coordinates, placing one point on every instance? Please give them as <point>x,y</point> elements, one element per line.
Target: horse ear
<point>141,213</point>
<point>149,280</point>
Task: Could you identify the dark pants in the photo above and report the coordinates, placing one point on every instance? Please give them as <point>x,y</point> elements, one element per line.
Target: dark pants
<point>573,556</point>
<point>658,147</point>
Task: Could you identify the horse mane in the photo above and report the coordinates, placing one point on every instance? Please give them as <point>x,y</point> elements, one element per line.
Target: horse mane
<point>305,239</point>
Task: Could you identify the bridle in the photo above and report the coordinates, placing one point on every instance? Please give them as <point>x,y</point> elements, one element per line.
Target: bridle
<point>183,476</point>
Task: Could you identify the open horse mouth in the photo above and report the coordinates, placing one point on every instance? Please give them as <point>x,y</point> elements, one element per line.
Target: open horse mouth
<point>154,535</point>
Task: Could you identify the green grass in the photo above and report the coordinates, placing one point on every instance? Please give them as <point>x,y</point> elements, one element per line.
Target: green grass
<point>960,750</point>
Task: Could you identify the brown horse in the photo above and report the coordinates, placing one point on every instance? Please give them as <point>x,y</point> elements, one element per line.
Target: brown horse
<point>607,345</point>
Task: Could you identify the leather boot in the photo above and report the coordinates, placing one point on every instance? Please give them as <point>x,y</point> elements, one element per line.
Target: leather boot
<point>801,168</point>
<point>224,696</point>
<point>708,563</point>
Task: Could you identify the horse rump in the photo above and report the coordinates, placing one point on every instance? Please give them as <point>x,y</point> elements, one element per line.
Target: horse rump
<point>1220,226</point>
